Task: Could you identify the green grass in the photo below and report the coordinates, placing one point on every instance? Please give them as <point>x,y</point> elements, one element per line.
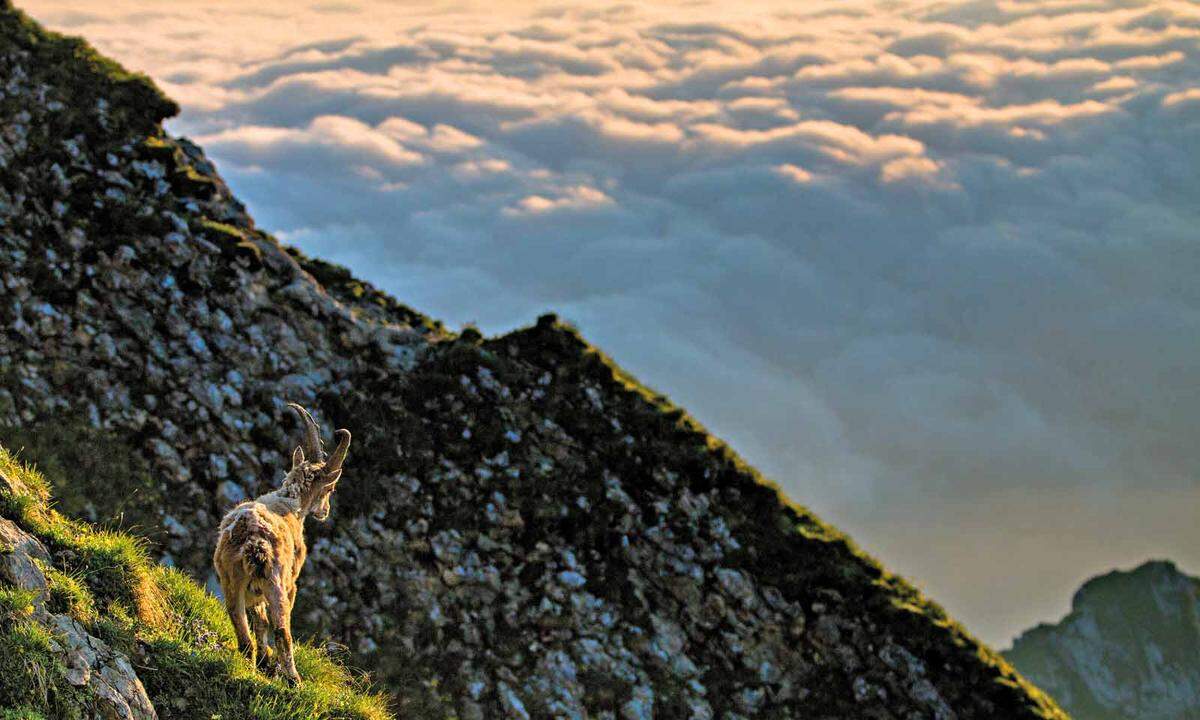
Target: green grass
<point>70,595</point>
<point>24,713</point>
<point>183,641</point>
<point>16,603</point>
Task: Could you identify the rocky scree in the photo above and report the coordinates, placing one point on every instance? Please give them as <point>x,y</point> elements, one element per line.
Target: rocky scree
<point>523,531</point>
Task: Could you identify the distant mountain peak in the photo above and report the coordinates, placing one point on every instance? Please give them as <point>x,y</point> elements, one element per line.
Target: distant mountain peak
<point>1128,650</point>
<point>1150,575</point>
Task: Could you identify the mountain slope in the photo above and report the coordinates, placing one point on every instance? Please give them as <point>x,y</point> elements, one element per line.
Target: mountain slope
<point>89,627</point>
<point>522,530</point>
<point>1128,650</point>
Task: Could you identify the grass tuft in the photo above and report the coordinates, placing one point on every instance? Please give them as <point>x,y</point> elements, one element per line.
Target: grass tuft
<point>70,595</point>
<point>16,603</point>
<point>25,713</point>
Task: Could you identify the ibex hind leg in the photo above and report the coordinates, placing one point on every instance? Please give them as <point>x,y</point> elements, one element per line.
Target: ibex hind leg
<point>235,605</point>
<point>279,610</point>
<point>262,633</point>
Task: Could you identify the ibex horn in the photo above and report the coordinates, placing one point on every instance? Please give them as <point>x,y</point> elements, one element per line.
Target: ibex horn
<point>339,453</point>
<point>312,434</point>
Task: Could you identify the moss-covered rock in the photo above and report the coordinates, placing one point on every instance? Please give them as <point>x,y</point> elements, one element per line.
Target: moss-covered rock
<point>103,95</point>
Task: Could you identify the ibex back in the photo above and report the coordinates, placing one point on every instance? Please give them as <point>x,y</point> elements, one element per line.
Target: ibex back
<point>260,548</point>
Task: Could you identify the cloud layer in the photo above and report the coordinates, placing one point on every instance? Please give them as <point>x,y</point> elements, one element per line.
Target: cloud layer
<point>913,259</point>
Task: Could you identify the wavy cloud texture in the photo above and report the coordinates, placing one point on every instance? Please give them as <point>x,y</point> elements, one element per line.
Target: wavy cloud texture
<point>931,265</point>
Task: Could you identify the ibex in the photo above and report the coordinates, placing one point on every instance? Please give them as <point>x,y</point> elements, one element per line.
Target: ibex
<point>260,548</point>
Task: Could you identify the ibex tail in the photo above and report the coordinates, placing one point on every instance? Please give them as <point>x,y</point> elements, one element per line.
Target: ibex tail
<point>256,550</point>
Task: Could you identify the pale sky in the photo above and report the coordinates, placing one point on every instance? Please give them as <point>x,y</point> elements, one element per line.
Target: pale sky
<point>931,266</point>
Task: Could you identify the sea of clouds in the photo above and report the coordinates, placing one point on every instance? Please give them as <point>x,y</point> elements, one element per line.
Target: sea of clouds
<point>932,266</point>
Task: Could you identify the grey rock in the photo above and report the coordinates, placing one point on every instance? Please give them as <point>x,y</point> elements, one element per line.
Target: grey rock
<point>510,703</point>
<point>1128,650</point>
<point>231,493</point>
<point>104,672</point>
<point>20,555</point>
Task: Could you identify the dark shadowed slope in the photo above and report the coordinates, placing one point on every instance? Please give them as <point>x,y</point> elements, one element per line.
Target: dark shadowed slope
<point>522,530</point>
<point>1129,649</point>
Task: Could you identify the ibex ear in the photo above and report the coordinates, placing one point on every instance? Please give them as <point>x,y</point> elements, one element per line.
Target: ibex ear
<point>332,478</point>
<point>297,457</point>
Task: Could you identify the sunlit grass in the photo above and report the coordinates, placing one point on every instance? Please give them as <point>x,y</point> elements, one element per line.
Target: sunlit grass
<point>189,663</point>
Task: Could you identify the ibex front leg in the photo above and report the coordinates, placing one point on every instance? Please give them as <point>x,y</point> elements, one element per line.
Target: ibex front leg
<point>279,609</point>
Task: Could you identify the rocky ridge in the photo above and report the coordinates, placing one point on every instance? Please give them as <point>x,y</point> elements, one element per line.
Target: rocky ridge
<point>1128,650</point>
<point>522,531</point>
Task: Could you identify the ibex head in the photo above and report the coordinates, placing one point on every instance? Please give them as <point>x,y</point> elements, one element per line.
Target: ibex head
<point>314,475</point>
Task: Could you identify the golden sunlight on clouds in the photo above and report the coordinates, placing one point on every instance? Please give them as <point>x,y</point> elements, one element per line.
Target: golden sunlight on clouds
<point>573,198</point>
<point>794,173</point>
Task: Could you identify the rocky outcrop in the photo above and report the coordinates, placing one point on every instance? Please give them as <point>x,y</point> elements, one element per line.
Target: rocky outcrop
<point>1128,650</point>
<point>522,530</point>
